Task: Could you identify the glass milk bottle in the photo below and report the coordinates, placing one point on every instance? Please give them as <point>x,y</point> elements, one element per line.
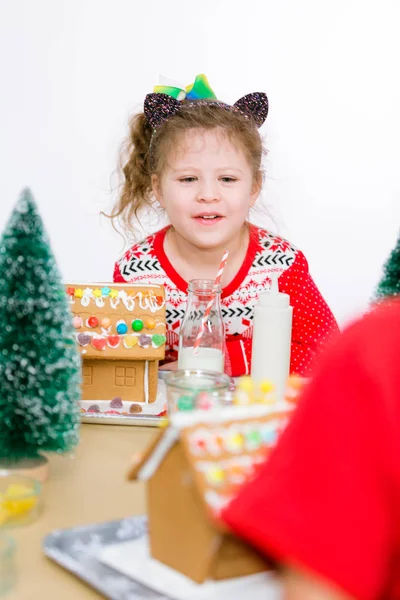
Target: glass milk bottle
<point>209,354</point>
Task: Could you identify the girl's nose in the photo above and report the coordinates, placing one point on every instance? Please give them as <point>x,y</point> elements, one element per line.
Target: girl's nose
<point>208,192</point>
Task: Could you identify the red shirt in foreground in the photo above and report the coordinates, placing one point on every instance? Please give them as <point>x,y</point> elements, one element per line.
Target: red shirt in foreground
<point>328,499</point>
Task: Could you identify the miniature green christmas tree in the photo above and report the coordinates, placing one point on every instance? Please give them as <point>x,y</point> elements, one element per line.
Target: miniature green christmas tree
<point>40,370</point>
<point>390,282</point>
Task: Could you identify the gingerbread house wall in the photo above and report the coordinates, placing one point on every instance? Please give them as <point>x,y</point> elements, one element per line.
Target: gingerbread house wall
<point>236,559</point>
<point>181,535</point>
<point>133,380</point>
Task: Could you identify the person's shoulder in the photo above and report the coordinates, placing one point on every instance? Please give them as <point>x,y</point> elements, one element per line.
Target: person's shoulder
<point>370,344</point>
<point>278,250</point>
<point>381,321</point>
<point>270,240</point>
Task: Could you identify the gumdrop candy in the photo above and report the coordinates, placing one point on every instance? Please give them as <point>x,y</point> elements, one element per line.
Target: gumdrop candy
<point>144,340</point>
<point>83,339</point>
<point>135,408</point>
<point>185,403</point>
<point>99,343</point>
<point>158,340</point>
<point>94,408</point>
<point>116,403</point>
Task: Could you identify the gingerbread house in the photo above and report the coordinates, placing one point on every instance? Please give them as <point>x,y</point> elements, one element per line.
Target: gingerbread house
<point>120,332</point>
<point>193,468</point>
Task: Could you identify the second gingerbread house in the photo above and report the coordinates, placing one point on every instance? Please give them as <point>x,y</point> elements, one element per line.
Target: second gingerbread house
<point>193,469</point>
<point>120,332</point>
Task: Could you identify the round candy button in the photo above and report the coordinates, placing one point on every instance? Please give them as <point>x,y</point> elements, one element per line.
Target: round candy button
<point>137,325</point>
<point>92,322</point>
<point>149,323</point>
<point>77,322</point>
<point>105,322</point>
<point>122,328</point>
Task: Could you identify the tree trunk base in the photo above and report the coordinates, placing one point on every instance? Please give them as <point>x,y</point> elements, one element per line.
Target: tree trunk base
<point>36,468</point>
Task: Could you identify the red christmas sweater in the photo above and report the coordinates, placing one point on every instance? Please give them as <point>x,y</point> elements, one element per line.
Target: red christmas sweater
<point>313,322</point>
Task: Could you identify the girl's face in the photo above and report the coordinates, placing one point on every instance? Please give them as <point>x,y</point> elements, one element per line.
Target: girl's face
<point>207,189</point>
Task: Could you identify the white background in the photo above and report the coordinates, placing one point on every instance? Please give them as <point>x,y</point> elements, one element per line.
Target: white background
<point>73,71</point>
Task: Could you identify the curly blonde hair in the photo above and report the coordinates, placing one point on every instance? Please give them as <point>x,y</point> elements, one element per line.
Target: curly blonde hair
<point>139,164</point>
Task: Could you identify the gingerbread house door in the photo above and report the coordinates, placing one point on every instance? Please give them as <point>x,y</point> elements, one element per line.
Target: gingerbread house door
<point>108,379</point>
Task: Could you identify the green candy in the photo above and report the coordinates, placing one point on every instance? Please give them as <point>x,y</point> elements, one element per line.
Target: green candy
<point>158,340</point>
<point>185,403</point>
<point>254,438</point>
<point>137,325</point>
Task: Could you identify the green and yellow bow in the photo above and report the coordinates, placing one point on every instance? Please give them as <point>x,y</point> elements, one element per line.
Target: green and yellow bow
<point>199,90</point>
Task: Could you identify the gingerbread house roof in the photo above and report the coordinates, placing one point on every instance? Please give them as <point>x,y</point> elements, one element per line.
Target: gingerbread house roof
<point>118,321</point>
<point>224,448</point>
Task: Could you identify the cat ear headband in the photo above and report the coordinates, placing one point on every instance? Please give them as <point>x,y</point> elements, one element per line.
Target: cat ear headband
<point>166,100</point>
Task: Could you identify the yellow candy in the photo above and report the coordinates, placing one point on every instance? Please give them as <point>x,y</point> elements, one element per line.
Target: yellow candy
<point>266,386</point>
<point>78,293</point>
<point>130,340</point>
<point>97,293</point>
<point>245,384</point>
<point>236,440</point>
<point>113,293</point>
<point>215,475</point>
<point>17,500</point>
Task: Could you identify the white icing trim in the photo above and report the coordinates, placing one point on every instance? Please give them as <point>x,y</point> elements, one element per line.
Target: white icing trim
<point>244,357</point>
<point>146,382</point>
<point>180,420</point>
<point>154,461</point>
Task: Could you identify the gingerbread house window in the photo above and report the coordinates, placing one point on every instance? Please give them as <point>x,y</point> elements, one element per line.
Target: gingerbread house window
<point>87,373</point>
<point>125,376</point>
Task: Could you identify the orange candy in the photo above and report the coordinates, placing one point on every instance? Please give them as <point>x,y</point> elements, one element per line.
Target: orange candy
<point>149,323</point>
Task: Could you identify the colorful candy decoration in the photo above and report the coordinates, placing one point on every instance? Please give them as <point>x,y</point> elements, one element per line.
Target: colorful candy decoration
<point>70,291</point>
<point>113,341</point>
<point>83,339</point>
<point>94,408</point>
<point>105,322</point>
<point>149,323</point>
<point>135,408</point>
<point>116,403</point>
<point>130,341</point>
<point>78,293</point>
<point>18,499</point>
<point>158,340</point>
<point>97,293</point>
<point>185,403</point>
<point>105,291</point>
<point>113,294</point>
<point>203,401</point>
<point>144,340</point>
<point>92,322</point>
<point>215,475</point>
<point>248,393</point>
<point>99,343</point>
<point>234,442</point>
<point>122,327</point>
<point>137,325</point>
<point>77,322</point>
<point>253,439</point>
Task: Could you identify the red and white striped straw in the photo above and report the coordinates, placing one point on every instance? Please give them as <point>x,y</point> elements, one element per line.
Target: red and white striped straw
<point>210,303</point>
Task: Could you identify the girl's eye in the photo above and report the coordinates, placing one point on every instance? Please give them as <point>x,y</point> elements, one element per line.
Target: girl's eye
<point>228,179</point>
<point>188,179</point>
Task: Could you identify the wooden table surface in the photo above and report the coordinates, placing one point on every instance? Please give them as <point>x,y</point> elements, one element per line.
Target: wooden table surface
<point>89,487</point>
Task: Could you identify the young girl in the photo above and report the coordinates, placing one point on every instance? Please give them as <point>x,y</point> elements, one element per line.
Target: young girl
<point>201,160</point>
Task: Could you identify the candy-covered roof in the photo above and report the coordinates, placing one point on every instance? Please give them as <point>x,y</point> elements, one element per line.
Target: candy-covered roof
<point>224,449</point>
<point>118,321</point>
